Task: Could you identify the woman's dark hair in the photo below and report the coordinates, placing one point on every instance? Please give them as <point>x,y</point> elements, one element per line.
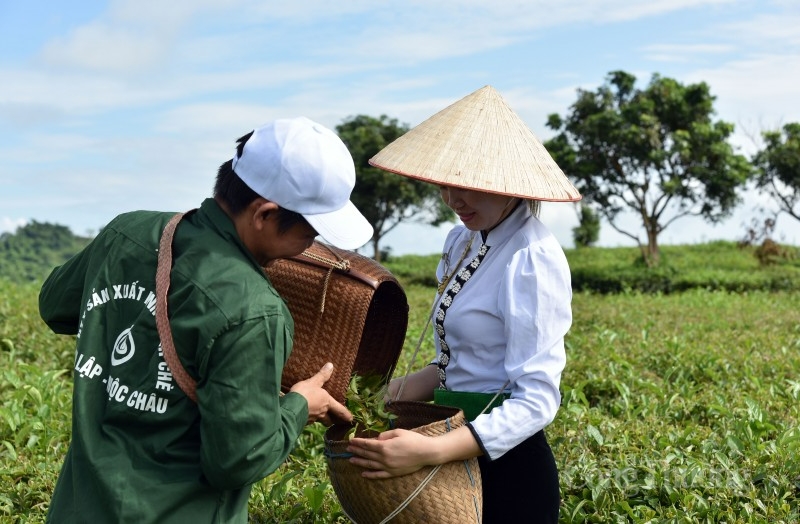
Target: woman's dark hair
<point>237,195</point>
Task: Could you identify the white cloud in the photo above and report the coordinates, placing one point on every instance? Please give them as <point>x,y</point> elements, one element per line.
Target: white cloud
<point>131,37</point>
<point>624,10</point>
<point>756,93</point>
<point>766,29</point>
<point>683,52</point>
<point>105,48</point>
<point>10,225</point>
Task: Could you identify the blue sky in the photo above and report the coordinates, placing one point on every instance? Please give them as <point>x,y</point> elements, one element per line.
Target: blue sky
<point>111,106</point>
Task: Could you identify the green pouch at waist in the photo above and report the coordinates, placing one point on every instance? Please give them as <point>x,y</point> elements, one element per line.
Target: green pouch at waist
<point>471,403</point>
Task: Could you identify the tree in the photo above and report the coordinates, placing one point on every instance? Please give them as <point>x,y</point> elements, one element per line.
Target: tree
<point>587,232</point>
<point>778,166</point>
<point>386,199</point>
<point>655,152</point>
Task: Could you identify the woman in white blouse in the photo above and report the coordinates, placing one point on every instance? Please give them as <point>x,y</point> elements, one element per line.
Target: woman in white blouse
<point>503,308</point>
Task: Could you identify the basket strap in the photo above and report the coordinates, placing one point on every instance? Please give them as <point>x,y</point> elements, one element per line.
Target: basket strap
<point>341,265</point>
<point>413,495</point>
<point>187,384</point>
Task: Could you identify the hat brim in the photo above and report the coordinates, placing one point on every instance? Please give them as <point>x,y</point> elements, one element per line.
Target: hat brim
<point>478,143</point>
<point>345,228</point>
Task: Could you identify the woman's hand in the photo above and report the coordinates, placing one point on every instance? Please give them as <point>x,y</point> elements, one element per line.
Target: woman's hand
<point>400,451</point>
<point>392,454</point>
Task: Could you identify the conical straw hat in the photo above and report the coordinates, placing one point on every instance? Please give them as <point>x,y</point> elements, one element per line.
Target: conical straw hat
<point>478,143</point>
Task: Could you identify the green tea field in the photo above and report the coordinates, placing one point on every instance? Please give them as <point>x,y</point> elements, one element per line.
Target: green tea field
<point>679,407</point>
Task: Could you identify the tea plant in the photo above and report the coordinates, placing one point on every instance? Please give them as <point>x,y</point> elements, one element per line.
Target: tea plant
<point>681,408</point>
<point>365,398</point>
<point>35,407</point>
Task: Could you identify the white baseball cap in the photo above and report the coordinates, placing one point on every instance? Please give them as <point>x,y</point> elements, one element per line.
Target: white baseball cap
<point>306,168</point>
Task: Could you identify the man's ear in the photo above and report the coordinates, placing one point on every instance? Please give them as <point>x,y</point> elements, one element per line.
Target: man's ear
<point>260,211</point>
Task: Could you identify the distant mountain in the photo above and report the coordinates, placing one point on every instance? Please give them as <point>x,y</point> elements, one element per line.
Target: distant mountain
<point>35,249</point>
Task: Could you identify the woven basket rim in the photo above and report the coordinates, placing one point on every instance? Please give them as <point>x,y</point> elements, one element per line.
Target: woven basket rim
<point>456,416</point>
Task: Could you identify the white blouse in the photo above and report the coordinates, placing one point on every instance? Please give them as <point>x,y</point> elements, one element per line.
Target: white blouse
<point>507,323</point>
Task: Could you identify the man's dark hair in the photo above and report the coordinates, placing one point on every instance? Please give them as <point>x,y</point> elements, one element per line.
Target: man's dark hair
<point>237,195</point>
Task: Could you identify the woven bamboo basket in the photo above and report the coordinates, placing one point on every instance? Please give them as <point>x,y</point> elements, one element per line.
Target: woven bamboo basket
<point>446,494</point>
<point>347,309</point>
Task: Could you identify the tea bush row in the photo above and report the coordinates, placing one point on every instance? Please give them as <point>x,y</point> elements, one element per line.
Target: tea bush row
<point>677,407</point>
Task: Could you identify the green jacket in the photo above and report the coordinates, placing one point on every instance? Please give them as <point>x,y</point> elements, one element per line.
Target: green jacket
<point>141,451</point>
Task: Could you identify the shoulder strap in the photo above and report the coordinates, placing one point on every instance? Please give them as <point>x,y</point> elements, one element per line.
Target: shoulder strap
<point>184,380</point>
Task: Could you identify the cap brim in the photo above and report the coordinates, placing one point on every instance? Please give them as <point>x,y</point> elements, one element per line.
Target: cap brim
<point>345,228</point>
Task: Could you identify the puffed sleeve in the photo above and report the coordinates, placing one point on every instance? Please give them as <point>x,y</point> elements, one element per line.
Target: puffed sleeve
<point>534,302</point>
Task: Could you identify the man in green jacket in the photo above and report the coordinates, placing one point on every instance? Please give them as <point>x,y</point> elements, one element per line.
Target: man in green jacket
<point>141,450</point>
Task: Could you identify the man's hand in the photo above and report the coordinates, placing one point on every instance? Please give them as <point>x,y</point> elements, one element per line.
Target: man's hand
<point>322,407</point>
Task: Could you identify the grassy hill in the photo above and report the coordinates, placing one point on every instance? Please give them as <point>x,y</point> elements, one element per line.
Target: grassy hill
<point>718,265</point>
<point>35,249</point>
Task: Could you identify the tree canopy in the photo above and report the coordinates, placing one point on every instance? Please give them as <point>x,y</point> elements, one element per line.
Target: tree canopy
<point>778,165</point>
<point>35,249</point>
<point>386,199</point>
<point>654,151</point>
<point>587,232</point>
